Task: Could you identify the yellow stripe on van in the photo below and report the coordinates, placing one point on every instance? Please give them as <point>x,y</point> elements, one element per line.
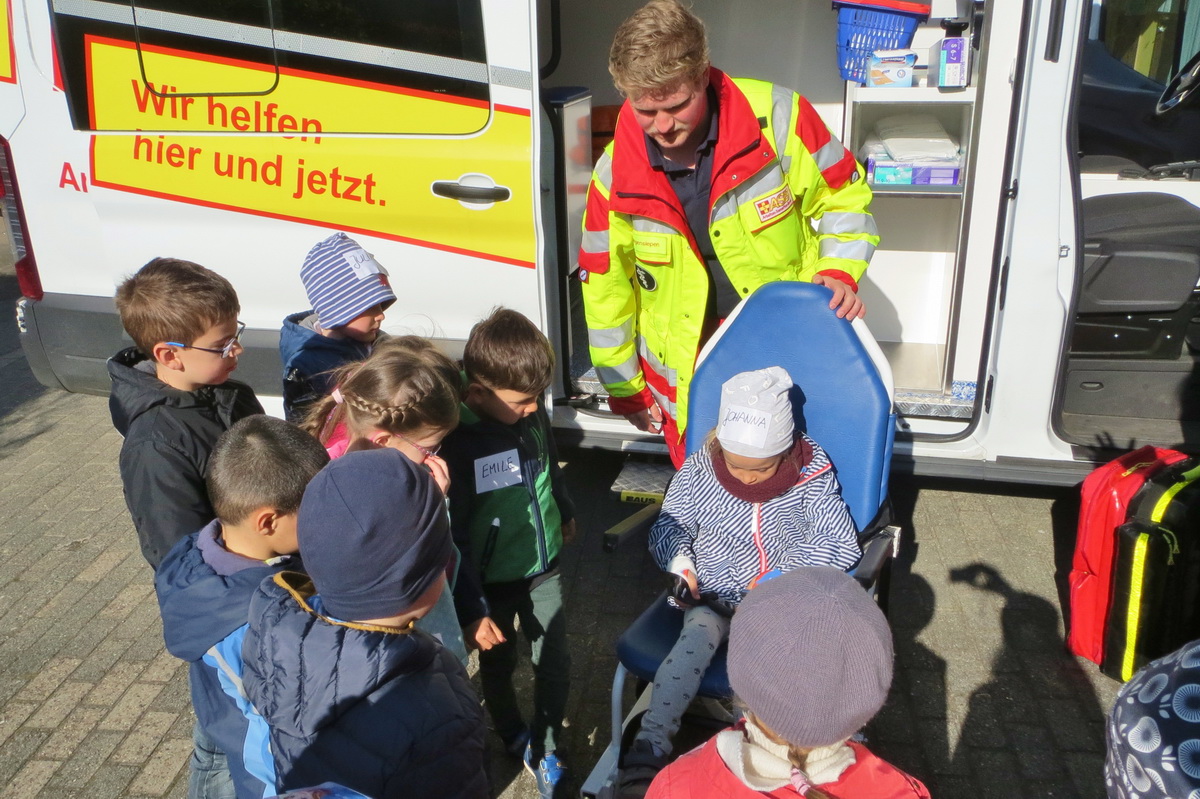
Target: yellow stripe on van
<point>8,64</point>
<point>1133,614</point>
<point>1160,507</point>
<point>375,184</point>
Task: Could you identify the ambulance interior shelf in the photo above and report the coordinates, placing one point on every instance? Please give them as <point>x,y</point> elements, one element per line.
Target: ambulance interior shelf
<point>921,228</point>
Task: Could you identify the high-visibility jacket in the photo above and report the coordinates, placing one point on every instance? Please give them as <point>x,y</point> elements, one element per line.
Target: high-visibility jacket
<point>775,167</point>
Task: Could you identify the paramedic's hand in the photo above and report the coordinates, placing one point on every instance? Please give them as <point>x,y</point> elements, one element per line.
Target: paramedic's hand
<point>649,420</point>
<point>440,471</point>
<point>483,634</point>
<point>568,531</point>
<point>847,303</point>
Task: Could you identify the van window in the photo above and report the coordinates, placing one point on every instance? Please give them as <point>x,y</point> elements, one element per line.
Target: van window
<point>414,67</point>
<point>1154,37</point>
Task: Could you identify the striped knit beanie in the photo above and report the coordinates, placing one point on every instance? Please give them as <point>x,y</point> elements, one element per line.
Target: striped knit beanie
<point>810,654</point>
<point>343,280</point>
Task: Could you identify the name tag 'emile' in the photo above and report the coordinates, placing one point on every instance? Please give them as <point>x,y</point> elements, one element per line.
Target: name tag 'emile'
<point>497,471</point>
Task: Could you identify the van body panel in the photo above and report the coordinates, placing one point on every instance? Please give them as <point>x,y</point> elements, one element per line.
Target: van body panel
<point>239,134</point>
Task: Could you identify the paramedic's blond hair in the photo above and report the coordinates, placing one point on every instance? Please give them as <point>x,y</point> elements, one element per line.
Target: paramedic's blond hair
<point>170,299</point>
<point>660,46</point>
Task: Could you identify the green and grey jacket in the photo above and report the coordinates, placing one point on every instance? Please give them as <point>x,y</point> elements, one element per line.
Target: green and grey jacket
<point>508,503</point>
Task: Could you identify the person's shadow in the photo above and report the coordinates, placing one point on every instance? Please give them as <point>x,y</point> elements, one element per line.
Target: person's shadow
<point>1026,724</point>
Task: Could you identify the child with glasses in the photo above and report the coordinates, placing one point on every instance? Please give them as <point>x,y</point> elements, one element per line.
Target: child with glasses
<point>405,397</point>
<point>172,399</point>
<point>509,513</point>
<point>172,396</point>
<point>348,291</point>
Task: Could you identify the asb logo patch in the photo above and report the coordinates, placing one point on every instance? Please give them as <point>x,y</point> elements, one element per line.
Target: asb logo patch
<point>645,279</point>
<point>775,204</point>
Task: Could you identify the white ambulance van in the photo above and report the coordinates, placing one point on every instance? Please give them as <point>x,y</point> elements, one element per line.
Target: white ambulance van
<point>1039,312</point>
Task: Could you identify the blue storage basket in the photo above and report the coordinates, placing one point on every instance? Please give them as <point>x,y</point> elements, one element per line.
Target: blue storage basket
<point>863,30</point>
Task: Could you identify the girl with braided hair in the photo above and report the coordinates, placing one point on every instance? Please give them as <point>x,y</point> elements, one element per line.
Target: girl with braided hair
<point>405,395</point>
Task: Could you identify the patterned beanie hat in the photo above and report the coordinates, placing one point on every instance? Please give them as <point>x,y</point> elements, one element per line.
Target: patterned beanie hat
<point>756,414</point>
<point>810,653</point>
<point>1154,730</point>
<point>343,280</point>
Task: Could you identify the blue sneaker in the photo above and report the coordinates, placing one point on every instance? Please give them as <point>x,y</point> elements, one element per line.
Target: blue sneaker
<point>550,774</point>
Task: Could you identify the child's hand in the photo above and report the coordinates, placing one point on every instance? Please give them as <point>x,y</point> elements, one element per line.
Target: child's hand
<point>569,530</point>
<point>483,634</point>
<point>686,592</point>
<point>440,471</point>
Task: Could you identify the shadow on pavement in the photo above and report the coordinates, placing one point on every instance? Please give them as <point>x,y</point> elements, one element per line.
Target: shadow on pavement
<point>1033,678</point>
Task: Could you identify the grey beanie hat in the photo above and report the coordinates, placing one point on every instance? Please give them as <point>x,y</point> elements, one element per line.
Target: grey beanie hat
<point>342,280</point>
<point>756,414</point>
<point>810,654</point>
<point>1154,730</point>
<point>373,534</point>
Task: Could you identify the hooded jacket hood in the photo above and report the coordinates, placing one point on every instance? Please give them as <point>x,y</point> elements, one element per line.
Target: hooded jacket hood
<point>136,390</point>
<point>184,582</point>
<point>299,334</point>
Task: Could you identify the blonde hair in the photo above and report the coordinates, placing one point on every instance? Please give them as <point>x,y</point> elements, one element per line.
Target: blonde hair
<point>404,386</point>
<point>797,755</point>
<point>660,46</point>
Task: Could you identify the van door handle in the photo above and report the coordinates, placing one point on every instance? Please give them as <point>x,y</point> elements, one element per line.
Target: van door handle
<point>475,189</point>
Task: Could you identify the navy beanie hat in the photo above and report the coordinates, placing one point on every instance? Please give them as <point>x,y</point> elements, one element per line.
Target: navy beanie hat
<point>373,533</point>
<point>1154,730</point>
<point>810,654</point>
<point>343,280</point>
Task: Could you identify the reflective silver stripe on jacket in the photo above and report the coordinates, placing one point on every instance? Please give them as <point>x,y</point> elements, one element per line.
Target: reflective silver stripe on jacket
<point>847,223</point>
<point>857,250</point>
<point>595,242</point>
<point>608,337</point>
<point>621,373</point>
<point>830,154</point>
<point>644,225</point>
<point>781,122</point>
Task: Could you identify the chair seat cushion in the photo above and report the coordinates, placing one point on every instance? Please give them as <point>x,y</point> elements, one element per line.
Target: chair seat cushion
<point>646,643</point>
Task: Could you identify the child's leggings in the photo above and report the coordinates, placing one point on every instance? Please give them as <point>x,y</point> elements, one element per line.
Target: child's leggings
<point>678,678</point>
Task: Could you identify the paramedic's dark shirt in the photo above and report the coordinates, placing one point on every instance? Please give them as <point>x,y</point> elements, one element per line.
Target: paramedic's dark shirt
<point>692,188</point>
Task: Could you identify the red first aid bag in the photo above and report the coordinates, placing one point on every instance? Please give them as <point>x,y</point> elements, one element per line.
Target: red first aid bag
<point>1103,508</point>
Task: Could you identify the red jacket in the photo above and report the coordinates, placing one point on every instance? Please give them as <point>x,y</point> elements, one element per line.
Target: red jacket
<point>701,773</point>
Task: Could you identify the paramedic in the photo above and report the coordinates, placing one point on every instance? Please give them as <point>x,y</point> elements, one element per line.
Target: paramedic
<point>709,189</point>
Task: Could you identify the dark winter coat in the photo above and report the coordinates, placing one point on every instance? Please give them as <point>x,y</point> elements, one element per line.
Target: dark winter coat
<point>388,713</point>
<point>309,360</point>
<point>204,617</point>
<point>532,505</point>
<point>169,435</point>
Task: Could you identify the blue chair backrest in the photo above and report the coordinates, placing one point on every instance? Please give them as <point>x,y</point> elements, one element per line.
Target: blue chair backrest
<point>840,398</point>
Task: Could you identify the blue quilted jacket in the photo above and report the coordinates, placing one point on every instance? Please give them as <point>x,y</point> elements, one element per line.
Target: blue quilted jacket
<point>390,714</point>
<point>204,620</point>
<point>728,542</point>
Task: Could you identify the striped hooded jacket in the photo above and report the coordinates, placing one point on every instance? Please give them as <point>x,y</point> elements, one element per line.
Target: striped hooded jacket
<point>728,542</point>
<point>777,170</point>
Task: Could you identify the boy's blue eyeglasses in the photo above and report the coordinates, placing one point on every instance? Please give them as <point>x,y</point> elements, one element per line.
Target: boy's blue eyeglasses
<point>224,352</point>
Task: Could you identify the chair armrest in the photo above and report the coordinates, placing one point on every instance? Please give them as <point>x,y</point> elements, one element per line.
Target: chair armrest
<point>641,521</point>
<point>877,551</point>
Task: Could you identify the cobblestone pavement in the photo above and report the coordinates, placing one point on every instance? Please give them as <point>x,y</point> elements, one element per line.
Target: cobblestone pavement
<point>985,701</point>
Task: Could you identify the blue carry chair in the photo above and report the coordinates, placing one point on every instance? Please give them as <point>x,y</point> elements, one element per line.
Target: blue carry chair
<point>843,400</point>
